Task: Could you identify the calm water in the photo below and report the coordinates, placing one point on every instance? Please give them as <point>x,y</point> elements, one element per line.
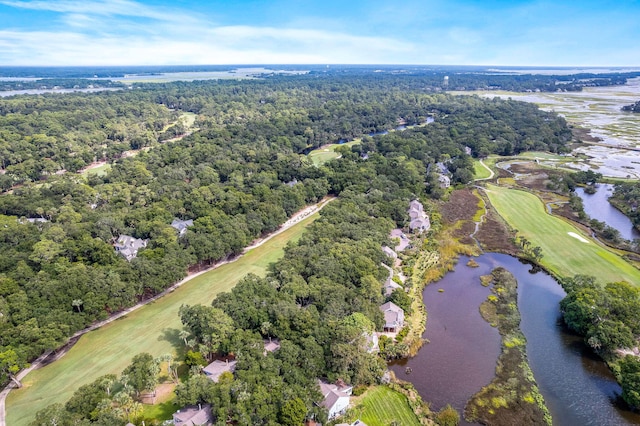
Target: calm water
<point>597,206</point>
<point>461,356</point>
<point>4,94</point>
<point>578,388</point>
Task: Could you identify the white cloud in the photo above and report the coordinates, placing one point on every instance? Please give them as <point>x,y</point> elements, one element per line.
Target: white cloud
<point>104,8</point>
<point>222,45</point>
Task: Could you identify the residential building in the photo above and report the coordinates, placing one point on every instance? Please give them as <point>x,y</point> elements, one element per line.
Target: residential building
<point>419,219</point>
<point>217,367</point>
<point>196,415</point>
<point>128,246</point>
<point>389,252</point>
<point>393,317</point>
<point>181,225</point>
<point>336,398</point>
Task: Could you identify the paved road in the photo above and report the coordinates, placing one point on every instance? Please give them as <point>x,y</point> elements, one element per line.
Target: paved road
<point>60,352</point>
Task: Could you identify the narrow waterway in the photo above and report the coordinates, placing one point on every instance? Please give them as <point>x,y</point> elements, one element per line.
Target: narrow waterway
<point>578,387</point>
<point>597,206</point>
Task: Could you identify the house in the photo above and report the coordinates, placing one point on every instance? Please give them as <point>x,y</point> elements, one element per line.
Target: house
<point>389,252</point>
<point>393,317</point>
<point>217,367</point>
<point>128,246</point>
<point>196,415</point>
<point>336,398</point>
<point>419,219</point>
<point>181,225</point>
<point>292,183</point>
<point>390,286</point>
<point>271,345</point>
<point>37,220</point>
<point>444,181</point>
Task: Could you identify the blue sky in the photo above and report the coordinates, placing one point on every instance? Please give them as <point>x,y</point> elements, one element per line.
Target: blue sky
<point>460,32</point>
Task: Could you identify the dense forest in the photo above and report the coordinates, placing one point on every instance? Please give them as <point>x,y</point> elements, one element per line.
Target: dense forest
<point>609,320</point>
<point>626,198</point>
<point>632,108</point>
<point>60,272</point>
<point>46,135</point>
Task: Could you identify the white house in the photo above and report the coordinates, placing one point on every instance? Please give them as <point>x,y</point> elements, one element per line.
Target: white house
<point>419,219</point>
<point>336,398</point>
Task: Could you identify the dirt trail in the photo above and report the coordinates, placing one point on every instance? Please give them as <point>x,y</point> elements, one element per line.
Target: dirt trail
<point>53,355</point>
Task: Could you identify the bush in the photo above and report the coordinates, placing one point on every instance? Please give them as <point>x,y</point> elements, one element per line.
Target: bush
<point>448,416</point>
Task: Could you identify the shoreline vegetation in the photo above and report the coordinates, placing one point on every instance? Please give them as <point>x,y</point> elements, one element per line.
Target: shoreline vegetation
<point>513,396</point>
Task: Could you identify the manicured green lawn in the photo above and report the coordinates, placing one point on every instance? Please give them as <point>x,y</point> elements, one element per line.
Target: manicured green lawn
<point>322,155</point>
<point>383,405</point>
<point>564,254</point>
<point>480,171</point>
<point>100,171</point>
<point>153,328</point>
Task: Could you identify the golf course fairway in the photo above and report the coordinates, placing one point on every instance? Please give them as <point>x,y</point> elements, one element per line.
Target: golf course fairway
<point>152,328</point>
<point>566,250</point>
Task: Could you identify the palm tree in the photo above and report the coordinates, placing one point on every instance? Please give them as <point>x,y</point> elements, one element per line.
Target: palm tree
<point>184,335</point>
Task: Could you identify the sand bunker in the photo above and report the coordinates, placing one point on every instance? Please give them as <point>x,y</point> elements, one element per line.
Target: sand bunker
<point>576,236</point>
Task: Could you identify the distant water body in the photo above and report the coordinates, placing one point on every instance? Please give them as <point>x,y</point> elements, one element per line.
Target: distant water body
<point>4,94</point>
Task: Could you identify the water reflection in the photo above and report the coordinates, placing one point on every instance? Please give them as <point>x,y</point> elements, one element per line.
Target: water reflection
<point>578,387</point>
<point>597,206</point>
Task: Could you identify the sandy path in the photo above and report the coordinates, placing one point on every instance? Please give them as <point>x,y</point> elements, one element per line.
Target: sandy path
<point>490,171</point>
<point>60,352</point>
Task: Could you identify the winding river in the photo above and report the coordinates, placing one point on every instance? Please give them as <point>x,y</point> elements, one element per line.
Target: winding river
<point>578,388</point>
<point>597,206</point>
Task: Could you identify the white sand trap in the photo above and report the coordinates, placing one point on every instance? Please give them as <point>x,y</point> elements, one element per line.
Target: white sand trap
<point>574,235</point>
<point>326,149</point>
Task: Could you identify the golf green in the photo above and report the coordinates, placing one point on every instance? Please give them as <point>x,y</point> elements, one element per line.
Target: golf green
<point>566,250</point>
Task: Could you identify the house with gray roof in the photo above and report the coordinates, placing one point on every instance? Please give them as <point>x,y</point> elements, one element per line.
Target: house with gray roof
<point>128,246</point>
<point>181,225</point>
<point>195,415</point>
<point>217,367</point>
<point>271,345</point>
<point>389,252</point>
<point>393,317</point>
<point>336,398</point>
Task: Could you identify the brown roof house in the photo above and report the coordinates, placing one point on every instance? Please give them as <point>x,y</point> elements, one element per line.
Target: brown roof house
<point>217,367</point>
<point>419,219</point>
<point>336,398</point>
<point>393,317</point>
<point>196,415</point>
<point>128,246</point>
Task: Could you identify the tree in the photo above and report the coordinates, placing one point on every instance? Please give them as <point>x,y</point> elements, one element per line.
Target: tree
<point>293,412</point>
<point>210,326</point>
<point>630,373</point>
<point>10,365</point>
<point>142,373</point>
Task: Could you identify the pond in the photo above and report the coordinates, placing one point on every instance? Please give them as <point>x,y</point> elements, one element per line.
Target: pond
<point>578,387</point>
